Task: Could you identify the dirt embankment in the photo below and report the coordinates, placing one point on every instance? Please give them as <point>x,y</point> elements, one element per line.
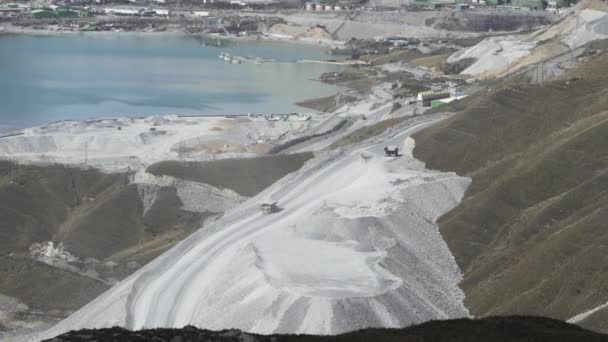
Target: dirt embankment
<point>496,329</point>
<point>358,79</point>
<point>474,21</point>
<point>530,232</point>
<point>328,104</point>
<point>247,177</point>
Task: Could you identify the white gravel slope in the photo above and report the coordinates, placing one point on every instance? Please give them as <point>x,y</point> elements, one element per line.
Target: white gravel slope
<point>355,245</point>
<point>494,53</point>
<point>497,55</point>
<point>119,144</point>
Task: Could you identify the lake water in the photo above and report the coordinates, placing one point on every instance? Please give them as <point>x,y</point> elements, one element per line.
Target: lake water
<point>48,78</point>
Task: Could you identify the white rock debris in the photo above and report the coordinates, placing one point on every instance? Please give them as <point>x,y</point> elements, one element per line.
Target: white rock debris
<point>121,144</point>
<point>497,55</point>
<point>52,251</point>
<point>355,245</point>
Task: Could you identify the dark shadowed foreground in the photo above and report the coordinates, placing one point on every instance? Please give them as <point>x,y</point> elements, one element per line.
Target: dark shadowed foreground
<point>495,329</point>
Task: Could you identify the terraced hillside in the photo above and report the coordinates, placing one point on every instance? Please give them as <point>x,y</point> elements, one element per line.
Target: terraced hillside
<point>530,234</point>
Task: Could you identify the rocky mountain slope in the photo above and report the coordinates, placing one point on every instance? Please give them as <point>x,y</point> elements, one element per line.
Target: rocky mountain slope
<point>530,233</point>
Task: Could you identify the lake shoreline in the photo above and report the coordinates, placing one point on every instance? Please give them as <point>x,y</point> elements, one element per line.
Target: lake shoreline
<point>326,43</point>
<point>134,74</point>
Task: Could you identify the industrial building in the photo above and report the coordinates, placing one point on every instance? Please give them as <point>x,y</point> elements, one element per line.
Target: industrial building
<point>441,102</point>
<point>12,8</point>
<point>514,4</point>
<point>328,6</point>
<point>137,11</point>
<point>432,4</point>
<point>526,4</point>
<point>437,97</point>
<point>316,6</point>
<point>123,11</point>
<point>426,97</point>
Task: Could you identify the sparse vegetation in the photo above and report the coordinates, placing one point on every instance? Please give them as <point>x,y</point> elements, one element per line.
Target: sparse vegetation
<point>495,329</point>
<point>529,234</point>
<point>245,176</point>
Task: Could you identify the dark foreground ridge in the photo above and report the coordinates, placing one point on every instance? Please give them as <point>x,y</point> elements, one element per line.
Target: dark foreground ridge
<point>495,329</point>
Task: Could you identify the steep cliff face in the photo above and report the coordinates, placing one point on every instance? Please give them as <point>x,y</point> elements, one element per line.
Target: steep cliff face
<point>530,234</point>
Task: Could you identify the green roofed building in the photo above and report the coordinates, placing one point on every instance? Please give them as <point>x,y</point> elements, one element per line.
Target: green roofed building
<point>528,4</point>
<point>43,14</point>
<point>437,103</point>
<point>434,3</point>
<point>66,13</point>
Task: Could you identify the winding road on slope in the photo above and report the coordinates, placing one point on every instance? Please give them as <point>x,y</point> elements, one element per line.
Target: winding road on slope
<point>355,245</point>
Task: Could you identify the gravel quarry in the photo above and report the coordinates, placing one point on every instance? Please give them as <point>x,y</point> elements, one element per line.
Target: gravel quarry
<point>366,227</point>
<point>357,246</point>
<point>500,56</point>
<point>305,226</point>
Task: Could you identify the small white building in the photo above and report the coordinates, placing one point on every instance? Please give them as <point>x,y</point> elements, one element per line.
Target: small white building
<point>200,14</point>
<point>429,95</point>
<point>122,11</point>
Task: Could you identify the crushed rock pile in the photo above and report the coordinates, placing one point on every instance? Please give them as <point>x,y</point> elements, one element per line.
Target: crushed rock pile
<point>497,56</point>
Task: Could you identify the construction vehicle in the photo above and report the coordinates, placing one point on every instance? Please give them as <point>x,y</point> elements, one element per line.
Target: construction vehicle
<point>391,151</point>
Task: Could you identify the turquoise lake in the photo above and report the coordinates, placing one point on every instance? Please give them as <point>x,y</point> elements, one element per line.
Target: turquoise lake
<point>49,78</point>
